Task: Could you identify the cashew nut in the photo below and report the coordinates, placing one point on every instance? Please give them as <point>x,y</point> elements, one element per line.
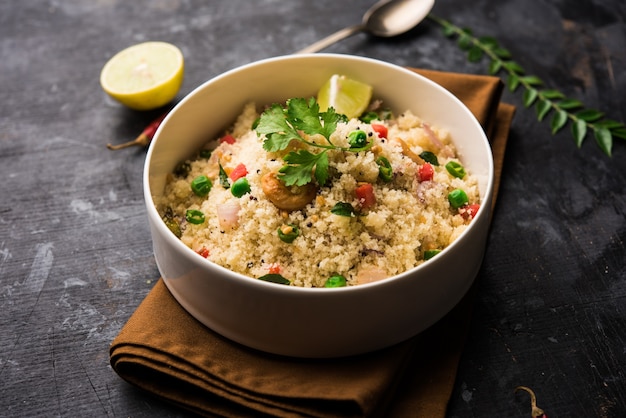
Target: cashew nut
<point>287,198</point>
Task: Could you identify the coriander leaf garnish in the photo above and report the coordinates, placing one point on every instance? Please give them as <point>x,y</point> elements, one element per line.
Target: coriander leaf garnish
<point>281,125</point>
<point>300,166</point>
<point>330,119</point>
<point>321,169</point>
<point>278,132</point>
<point>343,209</point>
<point>305,116</point>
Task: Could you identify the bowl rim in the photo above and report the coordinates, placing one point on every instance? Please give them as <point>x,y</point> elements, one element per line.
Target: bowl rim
<point>152,212</point>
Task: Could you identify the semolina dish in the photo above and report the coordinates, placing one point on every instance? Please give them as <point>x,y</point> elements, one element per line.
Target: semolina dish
<point>303,197</point>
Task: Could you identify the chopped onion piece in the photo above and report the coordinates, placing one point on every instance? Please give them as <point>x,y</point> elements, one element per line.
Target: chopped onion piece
<point>228,214</point>
<point>370,274</point>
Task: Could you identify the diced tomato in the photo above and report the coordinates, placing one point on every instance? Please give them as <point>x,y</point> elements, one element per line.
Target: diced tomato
<point>203,252</point>
<point>365,194</point>
<point>381,130</point>
<point>469,211</point>
<point>238,172</point>
<point>229,139</point>
<point>274,268</point>
<point>425,172</point>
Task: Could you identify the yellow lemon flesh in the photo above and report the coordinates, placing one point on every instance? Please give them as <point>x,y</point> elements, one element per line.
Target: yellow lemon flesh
<point>144,76</point>
<point>345,95</point>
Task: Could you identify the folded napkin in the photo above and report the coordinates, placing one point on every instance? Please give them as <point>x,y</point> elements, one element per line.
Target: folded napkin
<point>165,351</point>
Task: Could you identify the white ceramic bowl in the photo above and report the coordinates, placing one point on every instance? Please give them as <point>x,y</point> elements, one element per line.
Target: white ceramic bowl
<point>315,322</point>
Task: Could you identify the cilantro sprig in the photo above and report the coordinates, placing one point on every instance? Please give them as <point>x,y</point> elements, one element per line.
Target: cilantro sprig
<point>300,165</point>
<point>283,124</point>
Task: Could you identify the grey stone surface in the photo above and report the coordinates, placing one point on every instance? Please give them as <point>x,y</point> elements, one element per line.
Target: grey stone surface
<point>75,250</point>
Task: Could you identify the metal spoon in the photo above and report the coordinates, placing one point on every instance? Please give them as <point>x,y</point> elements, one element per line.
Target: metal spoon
<point>386,18</point>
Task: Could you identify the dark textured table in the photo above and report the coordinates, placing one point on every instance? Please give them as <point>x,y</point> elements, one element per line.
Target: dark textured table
<point>75,249</point>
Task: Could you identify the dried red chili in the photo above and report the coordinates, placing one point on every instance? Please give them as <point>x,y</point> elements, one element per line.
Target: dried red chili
<point>144,137</point>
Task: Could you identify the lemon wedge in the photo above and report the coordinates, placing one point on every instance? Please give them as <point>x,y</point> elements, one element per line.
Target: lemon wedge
<point>144,76</point>
<point>345,95</point>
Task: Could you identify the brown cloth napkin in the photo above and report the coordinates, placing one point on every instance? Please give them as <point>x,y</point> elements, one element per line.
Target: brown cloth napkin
<point>165,351</point>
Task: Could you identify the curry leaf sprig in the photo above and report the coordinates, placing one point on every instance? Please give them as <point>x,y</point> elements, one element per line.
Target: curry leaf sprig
<point>545,100</point>
<point>282,125</point>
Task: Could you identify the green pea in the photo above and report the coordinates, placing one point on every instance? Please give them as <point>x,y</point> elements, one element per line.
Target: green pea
<point>385,172</point>
<point>455,169</point>
<point>428,254</point>
<point>201,185</point>
<point>288,233</point>
<point>357,139</point>
<point>457,198</point>
<point>336,281</point>
<point>194,216</point>
<point>240,187</point>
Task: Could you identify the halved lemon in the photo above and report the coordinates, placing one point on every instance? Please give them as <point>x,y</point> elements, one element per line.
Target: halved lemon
<point>144,76</point>
<point>345,95</point>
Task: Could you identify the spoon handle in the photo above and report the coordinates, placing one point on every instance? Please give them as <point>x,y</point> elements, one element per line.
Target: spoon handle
<point>331,39</point>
